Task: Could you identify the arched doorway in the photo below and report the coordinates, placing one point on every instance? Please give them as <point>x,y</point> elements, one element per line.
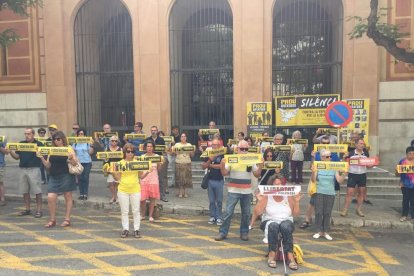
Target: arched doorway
<point>201,65</point>
<point>104,67</point>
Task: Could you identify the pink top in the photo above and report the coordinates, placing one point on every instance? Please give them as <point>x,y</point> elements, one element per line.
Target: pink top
<point>152,177</point>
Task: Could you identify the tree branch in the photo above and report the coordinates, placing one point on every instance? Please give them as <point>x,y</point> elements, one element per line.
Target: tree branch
<point>380,39</point>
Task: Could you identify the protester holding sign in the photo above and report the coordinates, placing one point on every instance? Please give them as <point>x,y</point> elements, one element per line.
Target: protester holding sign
<point>283,156</point>
<point>112,183</point>
<point>183,172</point>
<point>150,189</point>
<point>325,195</point>
<point>297,158</point>
<point>30,179</point>
<point>357,177</point>
<point>277,217</point>
<point>407,185</point>
<point>84,152</point>
<point>239,189</point>
<point>215,184</point>
<point>3,152</point>
<point>60,181</point>
<point>129,192</point>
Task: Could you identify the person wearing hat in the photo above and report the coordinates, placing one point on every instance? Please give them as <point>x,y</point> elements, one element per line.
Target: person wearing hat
<point>52,130</point>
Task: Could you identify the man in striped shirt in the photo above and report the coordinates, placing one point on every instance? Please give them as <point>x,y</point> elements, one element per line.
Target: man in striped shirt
<point>239,187</point>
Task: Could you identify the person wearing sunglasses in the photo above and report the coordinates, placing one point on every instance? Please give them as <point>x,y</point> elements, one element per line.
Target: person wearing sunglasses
<point>84,152</point>
<point>112,183</point>
<point>239,188</point>
<point>129,192</point>
<point>325,195</point>
<point>60,181</point>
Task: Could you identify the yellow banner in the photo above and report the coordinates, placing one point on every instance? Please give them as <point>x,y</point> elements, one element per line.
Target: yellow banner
<point>297,141</point>
<point>59,151</point>
<point>246,159</point>
<point>405,168</point>
<point>79,140</point>
<point>343,148</point>
<point>132,136</point>
<point>208,131</point>
<point>303,110</point>
<point>184,149</point>
<point>359,123</point>
<point>264,139</point>
<point>284,148</point>
<point>153,159</point>
<point>2,139</point>
<point>214,152</point>
<point>331,166</point>
<point>129,166</point>
<point>103,155</point>
<point>269,165</point>
<point>30,147</point>
<point>101,135</point>
<point>232,142</point>
<point>168,139</point>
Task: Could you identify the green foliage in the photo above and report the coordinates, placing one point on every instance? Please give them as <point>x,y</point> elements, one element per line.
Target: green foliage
<point>9,36</point>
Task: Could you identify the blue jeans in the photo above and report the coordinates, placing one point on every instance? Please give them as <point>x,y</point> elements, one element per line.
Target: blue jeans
<point>245,202</point>
<point>84,179</point>
<point>215,196</point>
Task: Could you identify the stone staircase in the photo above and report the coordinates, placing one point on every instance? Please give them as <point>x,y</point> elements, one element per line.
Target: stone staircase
<point>381,183</point>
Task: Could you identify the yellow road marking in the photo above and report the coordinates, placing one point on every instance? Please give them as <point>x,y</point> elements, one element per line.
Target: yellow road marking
<point>382,256</point>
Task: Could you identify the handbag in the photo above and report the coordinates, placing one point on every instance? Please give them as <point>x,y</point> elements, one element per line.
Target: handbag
<point>311,187</point>
<point>204,182</point>
<point>76,169</point>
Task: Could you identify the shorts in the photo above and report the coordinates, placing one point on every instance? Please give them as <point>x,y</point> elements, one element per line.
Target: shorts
<point>1,174</point>
<point>30,181</point>
<point>61,183</point>
<point>359,180</point>
<point>110,178</point>
<point>312,199</point>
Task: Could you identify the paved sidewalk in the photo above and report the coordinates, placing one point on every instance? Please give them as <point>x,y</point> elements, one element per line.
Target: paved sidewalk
<point>382,214</point>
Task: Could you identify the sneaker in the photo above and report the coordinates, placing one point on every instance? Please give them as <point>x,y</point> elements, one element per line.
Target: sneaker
<point>211,220</point>
<point>220,237</point>
<point>403,219</point>
<point>344,213</point>
<point>359,213</point>
<point>316,236</point>
<point>80,197</point>
<point>326,236</point>
<point>124,234</point>
<point>368,202</point>
<point>137,234</point>
<point>219,222</point>
<point>244,237</point>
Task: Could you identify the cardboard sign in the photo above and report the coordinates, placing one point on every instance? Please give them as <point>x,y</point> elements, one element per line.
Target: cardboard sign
<point>278,190</point>
<point>104,155</point>
<point>57,151</point>
<point>246,159</point>
<point>29,147</point>
<point>331,166</point>
<point>129,166</point>
<point>343,148</point>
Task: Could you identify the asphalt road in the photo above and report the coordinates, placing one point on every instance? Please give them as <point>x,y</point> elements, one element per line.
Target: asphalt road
<point>183,245</point>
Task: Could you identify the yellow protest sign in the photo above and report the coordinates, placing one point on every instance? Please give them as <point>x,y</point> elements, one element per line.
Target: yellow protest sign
<point>30,147</point>
<point>331,166</point>
<point>405,168</point>
<point>79,140</point>
<point>214,152</point>
<point>209,131</point>
<point>59,151</point>
<point>303,110</point>
<point>297,141</point>
<point>360,121</point>
<point>129,166</point>
<point>168,139</point>
<point>259,118</point>
<point>132,136</point>
<point>183,148</point>
<point>269,165</point>
<point>101,135</point>
<point>246,159</point>
<point>343,148</point>
<point>104,155</point>
<point>2,139</point>
<point>153,159</point>
<point>284,148</point>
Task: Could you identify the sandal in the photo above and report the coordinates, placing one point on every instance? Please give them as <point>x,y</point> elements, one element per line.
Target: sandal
<point>50,224</point>
<point>271,263</point>
<point>65,223</point>
<point>25,213</point>
<point>304,225</point>
<point>293,265</point>
<point>151,219</point>
<point>38,214</point>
